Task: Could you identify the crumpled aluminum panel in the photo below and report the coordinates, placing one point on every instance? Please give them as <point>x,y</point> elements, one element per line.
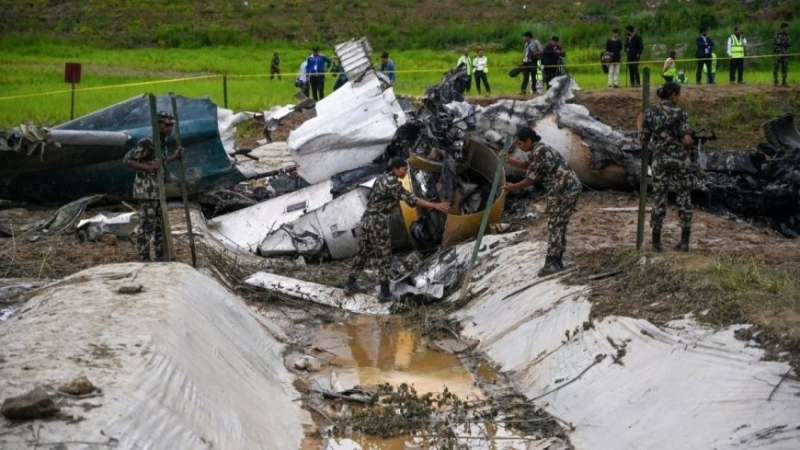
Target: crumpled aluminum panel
<point>355,58</point>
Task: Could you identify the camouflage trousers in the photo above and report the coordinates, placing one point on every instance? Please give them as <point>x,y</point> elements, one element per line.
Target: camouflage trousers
<point>560,207</point>
<point>680,179</point>
<point>150,226</point>
<point>373,243</point>
<point>782,63</point>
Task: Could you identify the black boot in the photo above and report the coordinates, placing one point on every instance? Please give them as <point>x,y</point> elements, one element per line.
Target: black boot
<point>550,266</point>
<point>683,245</point>
<point>350,287</point>
<point>657,241</point>
<point>384,295</point>
<point>559,261</point>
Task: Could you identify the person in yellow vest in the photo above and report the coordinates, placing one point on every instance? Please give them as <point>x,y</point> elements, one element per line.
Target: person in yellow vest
<point>669,70</point>
<point>736,46</point>
<point>466,61</point>
<point>539,76</point>
<point>713,75</point>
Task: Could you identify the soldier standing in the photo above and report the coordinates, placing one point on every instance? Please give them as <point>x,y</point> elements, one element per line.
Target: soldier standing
<point>142,158</point>
<point>374,240</point>
<point>665,126</point>
<point>548,167</point>
<point>782,43</point>
<point>275,66</point>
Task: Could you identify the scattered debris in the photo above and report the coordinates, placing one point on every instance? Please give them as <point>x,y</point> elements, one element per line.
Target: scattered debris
<point>56,224</point>
<point>98,227</point>
<point>79,386</point>
<point>36,404</point>
<point>130,289</point>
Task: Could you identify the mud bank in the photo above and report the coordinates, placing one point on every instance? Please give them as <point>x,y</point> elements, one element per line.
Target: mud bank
<point>624,383</point>
<point>182,363</point>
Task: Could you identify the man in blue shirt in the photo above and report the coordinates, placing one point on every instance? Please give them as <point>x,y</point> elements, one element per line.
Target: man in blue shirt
<point>387,67</point>
<point>316,67</point>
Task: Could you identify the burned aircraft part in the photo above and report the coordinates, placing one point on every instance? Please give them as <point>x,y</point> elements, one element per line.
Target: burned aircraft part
<point>580,157</point>
<point>448,90</point>
<point>332,230</point>
<point>333,227</point>
<point>771,193</point>
<point>602,158</point>
<point>89,159</point>
<point>730,162</point>
<point>443,272</point>
<point>353,124</point>
<point>342,182</point>
<point>462,225</point>
<point>247,228</point>
<point>782,132</point>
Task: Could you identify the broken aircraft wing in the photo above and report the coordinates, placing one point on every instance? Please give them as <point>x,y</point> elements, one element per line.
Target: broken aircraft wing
<point>84,156</point>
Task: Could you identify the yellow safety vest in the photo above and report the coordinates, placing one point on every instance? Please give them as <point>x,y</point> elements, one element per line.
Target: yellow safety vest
<point>672,71</point>
<point>737,47</point>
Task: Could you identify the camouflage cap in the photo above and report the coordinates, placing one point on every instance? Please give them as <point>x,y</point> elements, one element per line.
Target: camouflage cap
<point>165,117</point>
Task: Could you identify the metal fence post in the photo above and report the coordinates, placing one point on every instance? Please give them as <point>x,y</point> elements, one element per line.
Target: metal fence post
<point>225,91</point>
<point>645,157</point>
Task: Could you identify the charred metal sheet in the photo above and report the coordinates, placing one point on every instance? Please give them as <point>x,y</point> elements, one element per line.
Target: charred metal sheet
<point>782,132</point>
<point>342,182</point>
<point>720,161</point>
<point>602,158</point>
<point>772,193</point>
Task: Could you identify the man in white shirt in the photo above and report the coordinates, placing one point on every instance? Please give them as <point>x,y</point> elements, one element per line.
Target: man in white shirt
<point>736,50</point>
<point>480,64</point>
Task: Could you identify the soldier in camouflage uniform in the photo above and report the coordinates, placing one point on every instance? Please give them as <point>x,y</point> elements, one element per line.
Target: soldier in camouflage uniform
<point>374,241</point>
<point>665,128</point>
<point>142,158</point>
<point>782,43</point>
<point>547,166</point>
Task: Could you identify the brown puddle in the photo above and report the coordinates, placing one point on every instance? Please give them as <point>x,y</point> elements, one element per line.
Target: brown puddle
<point>368,351</point>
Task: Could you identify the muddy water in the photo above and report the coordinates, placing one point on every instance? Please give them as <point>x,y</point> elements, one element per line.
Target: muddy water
<point>368,351</point>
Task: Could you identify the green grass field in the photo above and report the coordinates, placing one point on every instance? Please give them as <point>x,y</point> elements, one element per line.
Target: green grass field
<point>32,87</point>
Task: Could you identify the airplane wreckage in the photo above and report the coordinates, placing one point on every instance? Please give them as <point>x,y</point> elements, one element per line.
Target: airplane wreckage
<point>451,145</point>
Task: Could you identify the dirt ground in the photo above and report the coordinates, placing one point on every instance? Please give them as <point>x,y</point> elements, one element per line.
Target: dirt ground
<point>735,271</point>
